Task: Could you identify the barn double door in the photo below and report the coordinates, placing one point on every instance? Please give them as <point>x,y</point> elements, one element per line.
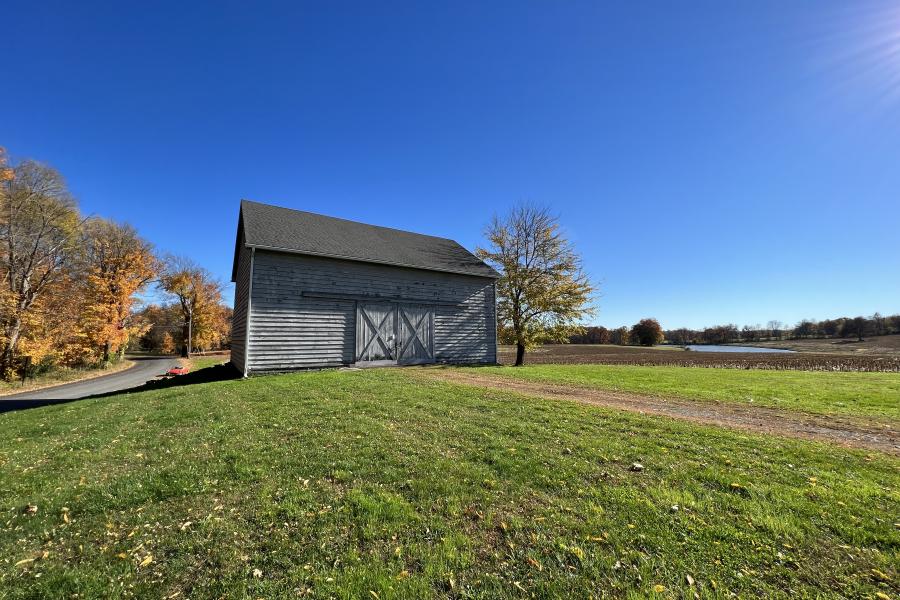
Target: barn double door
<point>394,334</point>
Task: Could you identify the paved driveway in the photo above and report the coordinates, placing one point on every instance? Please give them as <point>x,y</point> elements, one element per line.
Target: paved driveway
<point>147,368</point>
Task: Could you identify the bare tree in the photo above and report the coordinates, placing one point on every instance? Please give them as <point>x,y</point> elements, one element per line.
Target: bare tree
<point>878,323</point>
<point>857,326</point>
<point>543,291</point>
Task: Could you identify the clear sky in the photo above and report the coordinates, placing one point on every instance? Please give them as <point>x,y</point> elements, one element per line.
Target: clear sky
<point>713,161</point>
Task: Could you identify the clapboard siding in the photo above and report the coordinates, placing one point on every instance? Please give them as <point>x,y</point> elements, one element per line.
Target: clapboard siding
<point>239,317</point>
<point>291,330</point>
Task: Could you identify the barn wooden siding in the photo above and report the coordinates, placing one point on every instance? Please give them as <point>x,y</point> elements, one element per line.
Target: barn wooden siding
<point>239,319</point>
<point>295,324</point>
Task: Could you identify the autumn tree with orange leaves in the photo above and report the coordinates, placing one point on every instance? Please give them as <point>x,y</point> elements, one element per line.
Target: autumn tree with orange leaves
<point>119,265</point>
<point>199,294</point>
<point>38,244</point>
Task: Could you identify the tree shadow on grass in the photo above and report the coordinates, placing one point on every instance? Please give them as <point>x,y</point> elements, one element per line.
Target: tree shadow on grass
<point>223,372</point>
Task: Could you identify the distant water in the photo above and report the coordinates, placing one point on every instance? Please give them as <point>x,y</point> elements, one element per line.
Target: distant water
<point>714,348</point>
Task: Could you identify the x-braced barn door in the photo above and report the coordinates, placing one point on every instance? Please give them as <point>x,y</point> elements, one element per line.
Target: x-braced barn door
<point>391,334</point>
<point>376,333</point>
<point>416,334</point>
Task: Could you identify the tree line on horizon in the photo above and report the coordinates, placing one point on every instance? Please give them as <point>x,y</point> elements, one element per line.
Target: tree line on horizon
<point>843,327</point>
<point>71,284</point>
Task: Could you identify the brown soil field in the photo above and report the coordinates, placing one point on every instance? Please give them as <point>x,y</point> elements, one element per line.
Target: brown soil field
<point>676,357</point>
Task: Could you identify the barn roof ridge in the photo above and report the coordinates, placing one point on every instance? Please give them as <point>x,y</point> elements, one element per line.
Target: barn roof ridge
<point>282,229</point>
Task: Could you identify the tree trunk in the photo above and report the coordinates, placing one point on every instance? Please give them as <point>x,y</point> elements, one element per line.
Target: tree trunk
<point>184,346</point>
<point>9,349</point>
<point>106,353</point>
<point>520,354</point>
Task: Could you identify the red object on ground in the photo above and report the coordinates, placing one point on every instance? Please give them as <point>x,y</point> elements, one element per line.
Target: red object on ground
<point>177,371</point>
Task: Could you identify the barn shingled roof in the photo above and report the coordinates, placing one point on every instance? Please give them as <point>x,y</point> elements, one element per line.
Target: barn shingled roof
<point>288,230</point>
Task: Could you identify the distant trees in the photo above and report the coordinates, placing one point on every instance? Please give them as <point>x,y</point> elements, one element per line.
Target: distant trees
<point>591,335</point>
<point>682,336</point>
<point>878,324</point>
<point>750,333</point>
<point>161,325</point>
<point>806,328</point>
<point>620,336</point>
<point>543,291</point>
<point>856,327</point>
<point>647,332</point>
<point>775,328</point>
<point>164,328</point>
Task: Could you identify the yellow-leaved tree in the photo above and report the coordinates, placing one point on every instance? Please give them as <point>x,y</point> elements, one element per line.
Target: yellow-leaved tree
<point>199,294</point>
<point>39,226</point>
<point>119,265</point>
<point>543,292</point>
<point>167,346</point>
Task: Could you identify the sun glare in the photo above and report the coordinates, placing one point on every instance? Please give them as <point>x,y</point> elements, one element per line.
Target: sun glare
<point>863,53</point>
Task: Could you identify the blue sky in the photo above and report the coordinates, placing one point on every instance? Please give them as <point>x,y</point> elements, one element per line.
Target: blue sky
<point>714,162</point>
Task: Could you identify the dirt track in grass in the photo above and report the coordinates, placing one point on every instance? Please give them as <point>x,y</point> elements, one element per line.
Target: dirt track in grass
<point>845,431</point>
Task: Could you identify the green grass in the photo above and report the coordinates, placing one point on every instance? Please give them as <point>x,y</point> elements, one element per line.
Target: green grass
<point>375,484</point>
<point>830,393</point>
<point>204,362</point>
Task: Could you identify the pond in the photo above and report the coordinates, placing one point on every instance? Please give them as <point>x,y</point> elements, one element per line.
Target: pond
<point>714,348</point>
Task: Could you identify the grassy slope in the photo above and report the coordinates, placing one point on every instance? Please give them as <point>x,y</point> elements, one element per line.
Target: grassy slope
<point>202,362</point>
<point>339,483</point>
<point>861,394</point>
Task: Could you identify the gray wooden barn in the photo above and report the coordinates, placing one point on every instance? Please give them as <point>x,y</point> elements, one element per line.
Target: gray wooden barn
<point>316,291</point>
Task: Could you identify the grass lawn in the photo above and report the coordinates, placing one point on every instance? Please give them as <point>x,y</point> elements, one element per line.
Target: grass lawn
<point>202,362</point>
<point>375,484</point>
<point>860,394</point>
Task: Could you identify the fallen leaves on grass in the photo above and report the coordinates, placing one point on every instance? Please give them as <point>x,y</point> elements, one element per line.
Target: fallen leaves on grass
<point>42,555</point>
